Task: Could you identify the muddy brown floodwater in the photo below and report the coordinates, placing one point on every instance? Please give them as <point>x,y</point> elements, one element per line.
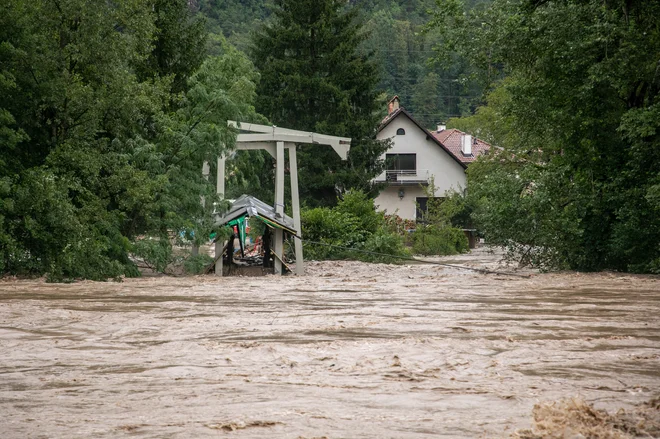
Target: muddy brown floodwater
<point>350,350</point>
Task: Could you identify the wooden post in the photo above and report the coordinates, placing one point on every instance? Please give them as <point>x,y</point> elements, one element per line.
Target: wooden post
<point>279,205</point>
<point>295,206</point>
<point>220,190</point>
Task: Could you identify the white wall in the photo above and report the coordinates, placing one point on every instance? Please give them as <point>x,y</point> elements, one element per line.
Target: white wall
<point>447,173</point>
<point>388,201</point>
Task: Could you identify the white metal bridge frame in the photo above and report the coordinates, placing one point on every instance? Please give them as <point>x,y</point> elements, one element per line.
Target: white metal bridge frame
<point>275,140</point>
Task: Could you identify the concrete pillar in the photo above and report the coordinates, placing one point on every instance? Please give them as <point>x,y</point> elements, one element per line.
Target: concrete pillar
<point>220,183</point>
<point>295,206</point>
<point>278,247</point>
<point>220,190</point>
<point>206,170</point>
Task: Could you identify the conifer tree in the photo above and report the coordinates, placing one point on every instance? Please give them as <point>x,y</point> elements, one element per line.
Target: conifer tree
<point>314,78</point>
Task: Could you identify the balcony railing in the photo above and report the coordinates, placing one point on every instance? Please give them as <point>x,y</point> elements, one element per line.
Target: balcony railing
<point>404,177</point>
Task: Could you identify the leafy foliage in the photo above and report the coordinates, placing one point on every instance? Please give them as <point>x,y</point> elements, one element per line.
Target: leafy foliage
<point>577,117</point>
<point>388,246</point>
<point>438,232</point>
<point>156,253</point>
<point>438,240</point>
<point>401,46</point>
<point>197,264</point>
<point>106,116</point>
<point>353,224</point>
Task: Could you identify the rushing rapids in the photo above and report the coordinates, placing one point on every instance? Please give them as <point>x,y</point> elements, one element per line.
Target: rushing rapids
<point>349,350</point>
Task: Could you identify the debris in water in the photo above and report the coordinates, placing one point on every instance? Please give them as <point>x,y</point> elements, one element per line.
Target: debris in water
<point>233,426</point>
<point>576,419</point>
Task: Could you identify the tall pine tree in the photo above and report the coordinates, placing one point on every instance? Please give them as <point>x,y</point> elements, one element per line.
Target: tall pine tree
<point>314,78</point>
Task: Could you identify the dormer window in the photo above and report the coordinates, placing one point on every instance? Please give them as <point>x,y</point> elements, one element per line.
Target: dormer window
<point>400,132</point>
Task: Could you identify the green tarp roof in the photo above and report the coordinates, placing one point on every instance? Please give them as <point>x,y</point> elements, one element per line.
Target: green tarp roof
<point>249,206</point>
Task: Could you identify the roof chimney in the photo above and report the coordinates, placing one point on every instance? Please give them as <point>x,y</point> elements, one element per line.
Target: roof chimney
<point>442,127</point>
<point>466,144</point>
<point>393,105</point>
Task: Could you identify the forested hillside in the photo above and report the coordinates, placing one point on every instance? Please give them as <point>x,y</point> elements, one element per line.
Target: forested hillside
<point>432,90</point>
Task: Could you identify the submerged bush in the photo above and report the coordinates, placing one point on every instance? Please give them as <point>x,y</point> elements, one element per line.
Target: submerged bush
<point>197,264</point>
<point>434,240</point>
<point>352,225</point>
<point>385,243</point>
<point>156,253</point>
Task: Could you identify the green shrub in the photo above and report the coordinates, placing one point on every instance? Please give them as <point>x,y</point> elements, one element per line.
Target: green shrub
<point>197,264</point>
<point>44,232</point>
<point>386,243</point>
<point>156,253</point>
<point>433,240</point>
<point>357,203</point>
<point>329,226</point>
<point>352,225</point>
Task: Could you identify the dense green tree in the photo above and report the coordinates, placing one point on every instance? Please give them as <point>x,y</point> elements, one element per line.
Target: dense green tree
<point>578,117</point>
<point>235,19</point>
<point>179,43</point>
<point>425,101</point>
<point>100,148</point>
<point>313,78</point>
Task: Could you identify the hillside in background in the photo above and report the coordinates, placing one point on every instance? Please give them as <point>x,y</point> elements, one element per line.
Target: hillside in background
<point>432,91</point>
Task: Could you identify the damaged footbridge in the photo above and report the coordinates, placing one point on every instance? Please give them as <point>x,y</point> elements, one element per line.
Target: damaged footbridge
<point>275,141</point>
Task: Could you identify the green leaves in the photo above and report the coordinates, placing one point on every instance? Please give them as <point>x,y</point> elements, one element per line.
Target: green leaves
<point>107,116</point>
<point>352,225</point>
<point>577,117</point>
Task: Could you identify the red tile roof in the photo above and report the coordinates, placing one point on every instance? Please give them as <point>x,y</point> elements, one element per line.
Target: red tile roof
<point>451,140</point>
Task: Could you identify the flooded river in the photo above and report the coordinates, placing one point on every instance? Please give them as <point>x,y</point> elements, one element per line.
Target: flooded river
<point>350,350</point>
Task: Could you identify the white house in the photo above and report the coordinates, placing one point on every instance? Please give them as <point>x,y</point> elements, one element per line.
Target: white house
<point>419,156</point>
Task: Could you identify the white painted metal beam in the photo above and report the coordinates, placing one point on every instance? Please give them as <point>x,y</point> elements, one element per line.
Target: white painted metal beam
<point>272,129</point>
<point>278,246</point>
<point>340,145</point>
<point>342,150</point>
<point>295,207</point>
<point>267,146</point>
<point>256,128</point>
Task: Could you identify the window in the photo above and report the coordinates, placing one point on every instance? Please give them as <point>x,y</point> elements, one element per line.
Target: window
<point>400,132</point>
<point>402,164</point>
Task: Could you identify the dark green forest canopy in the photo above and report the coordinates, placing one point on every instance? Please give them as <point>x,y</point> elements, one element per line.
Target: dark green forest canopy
<point>313,78</point>
<point>431,91</point>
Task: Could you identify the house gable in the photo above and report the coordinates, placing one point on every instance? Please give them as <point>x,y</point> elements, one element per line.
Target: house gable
<point>438,157</point>
<point>396,119</point>
<point>433,162</point>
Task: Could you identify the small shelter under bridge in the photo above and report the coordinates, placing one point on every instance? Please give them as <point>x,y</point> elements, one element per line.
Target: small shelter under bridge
<point>275,140</point>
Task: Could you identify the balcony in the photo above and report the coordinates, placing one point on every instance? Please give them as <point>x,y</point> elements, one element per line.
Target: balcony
<point>402,177</point>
